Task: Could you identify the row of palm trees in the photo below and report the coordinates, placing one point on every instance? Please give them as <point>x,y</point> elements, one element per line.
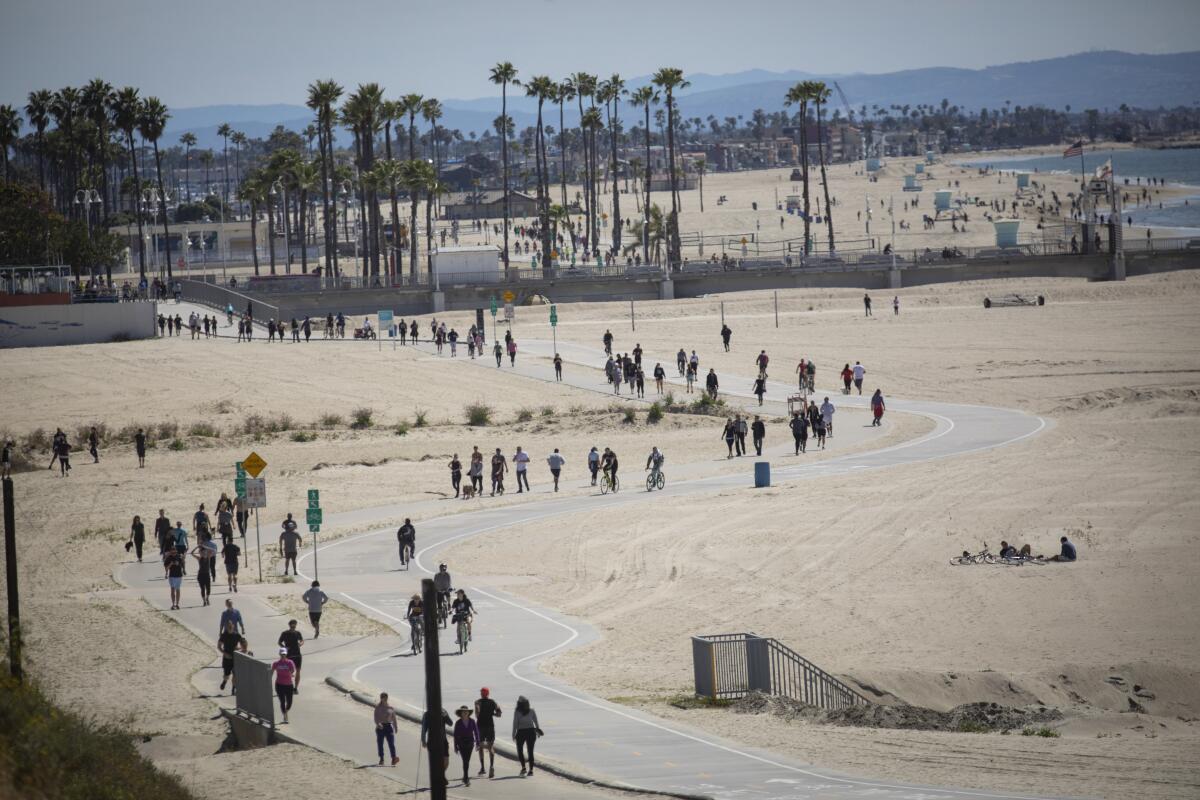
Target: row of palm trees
<point>817,94</point>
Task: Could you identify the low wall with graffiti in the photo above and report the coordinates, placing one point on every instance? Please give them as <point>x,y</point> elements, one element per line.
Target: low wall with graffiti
<point>81,323</point>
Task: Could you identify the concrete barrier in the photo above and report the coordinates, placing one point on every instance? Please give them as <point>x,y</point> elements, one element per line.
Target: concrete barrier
<point>80,323</point>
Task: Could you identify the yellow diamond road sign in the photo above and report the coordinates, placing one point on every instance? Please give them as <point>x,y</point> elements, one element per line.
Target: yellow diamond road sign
<point>253,464</point>
<point>509,297</point>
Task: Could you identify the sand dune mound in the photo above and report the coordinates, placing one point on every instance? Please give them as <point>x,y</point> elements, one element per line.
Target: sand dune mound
<point>1155,401</point>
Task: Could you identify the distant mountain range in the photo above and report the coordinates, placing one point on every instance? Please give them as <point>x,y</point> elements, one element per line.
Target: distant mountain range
<point>1102,79</point>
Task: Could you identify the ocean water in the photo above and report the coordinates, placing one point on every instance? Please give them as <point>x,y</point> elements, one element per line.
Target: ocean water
<point>1176,167</point>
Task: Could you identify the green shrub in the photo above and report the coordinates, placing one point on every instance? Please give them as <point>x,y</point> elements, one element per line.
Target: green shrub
<point>655,414</point>
<point>970,726</point>
<point>547,411</point>
<point>669,400</point>
<point>629,416</point>
<point>478,414</point>
<point>328,421</point>
<point>524,415</point>
<point>177,444</point>
<point>400,428</point>
<point>84,431</point>
<point>167,430</point>
<point>303,436</point>
<point>420,418</point>
<point>1044,731</point>
<point>706,405</point>
<point>362,418</point>
<point>204,429</point>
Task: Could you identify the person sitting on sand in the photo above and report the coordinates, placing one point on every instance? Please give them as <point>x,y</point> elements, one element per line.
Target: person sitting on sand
<point>1067,553</point>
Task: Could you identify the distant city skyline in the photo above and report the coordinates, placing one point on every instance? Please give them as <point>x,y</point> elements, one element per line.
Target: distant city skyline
<point>222,52</point>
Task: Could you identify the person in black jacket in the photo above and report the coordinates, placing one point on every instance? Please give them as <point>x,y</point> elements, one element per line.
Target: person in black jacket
<point>758,430</point>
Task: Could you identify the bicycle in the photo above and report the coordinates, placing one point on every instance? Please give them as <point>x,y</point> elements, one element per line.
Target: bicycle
<point>443,610</point>
<point>462,633</point>
<point>609,483</point>
<point>982,557</point>
<point>655,480</point>
<point>407,551</point>
<point>414,635</point>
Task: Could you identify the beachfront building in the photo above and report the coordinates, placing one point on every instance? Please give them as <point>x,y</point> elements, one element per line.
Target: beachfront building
<point>488,204</point>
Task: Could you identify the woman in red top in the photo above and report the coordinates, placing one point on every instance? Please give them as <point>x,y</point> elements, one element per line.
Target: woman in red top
<point>847,377</point>
<point>877,407</point>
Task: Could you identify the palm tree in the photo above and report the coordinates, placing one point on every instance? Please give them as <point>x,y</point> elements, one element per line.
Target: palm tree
<point>206,158</point>
<point>322,97</point>
<point>188,140</point>
<point>542,88</point>
<point>388,173</point>
<point>97,102</point>
<point>412,175</point>
<point>65,110</point>
<point>800,94</point>
<point>701,166</point>
<point>127,109</point>
<point>653,235</point>
<point>591,123</point>
<point>410,104</point>
<point>503,74</point>
<point>645,97</point>
<point>613,91</point>
<point>820,96</point>
<point>254,191</point>
<point>431,110</point>
<point>585,86</point>
<point>670,79</point>
<point>10,126</point>
<point>224,130</point>
<point>239,141</point>
<point>151,122</point>
<point>563,92</point>
<point>305,175</point>
<point>363,112</point>
<point>391,111</point>
<point>38,111</point>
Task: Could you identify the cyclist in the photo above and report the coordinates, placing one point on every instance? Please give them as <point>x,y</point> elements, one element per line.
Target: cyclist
<point>608,464</point>
<point>463,610</point>
<point>655,461</point>
<point>681,361</point>
<point>229,312</point>
<point>414,615</point>
<point>407,537</point>
<point>442,583</point>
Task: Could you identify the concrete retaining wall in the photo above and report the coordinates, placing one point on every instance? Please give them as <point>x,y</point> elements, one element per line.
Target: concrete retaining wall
<point>83,323</point>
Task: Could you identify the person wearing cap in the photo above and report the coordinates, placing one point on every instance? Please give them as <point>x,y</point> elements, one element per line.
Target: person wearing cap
<point>291,641</point>
<point>486,712</point>
<point>466,739</point>
<point>385,728</point>
<point>285,681</point>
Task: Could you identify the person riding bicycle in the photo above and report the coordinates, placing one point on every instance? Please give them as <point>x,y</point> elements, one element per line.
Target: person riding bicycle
<point>655,461</point>
<point>414,615</point>
<point>441,583</point>
<point>608,465</point>
<point>463,610</point>
<point>407,537</point>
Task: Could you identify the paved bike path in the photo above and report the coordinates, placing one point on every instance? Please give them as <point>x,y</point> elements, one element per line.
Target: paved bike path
<point>512,637</point>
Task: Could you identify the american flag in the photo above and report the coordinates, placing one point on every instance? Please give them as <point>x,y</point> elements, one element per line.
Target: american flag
<point>1074,150</point>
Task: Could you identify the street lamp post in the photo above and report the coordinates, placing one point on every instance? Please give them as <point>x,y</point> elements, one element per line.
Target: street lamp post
<point>281,188</point>
<point>87,198</point>
<point>222,250</point>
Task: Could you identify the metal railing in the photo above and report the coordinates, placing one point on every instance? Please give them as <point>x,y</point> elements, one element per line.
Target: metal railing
<point>216,296</point>
<point>730,665</point>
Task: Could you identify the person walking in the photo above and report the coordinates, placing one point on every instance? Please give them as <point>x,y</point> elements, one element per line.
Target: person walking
<point>385,725</point>
<point>173,564</point>
<point>877,408</point>
<point>729,434</point>
<point>456,474</point>
<point>181,544</point>
<point>290,642</point>
<point>556,461</point>
<point>758,431</point>
<point>521,459</point>
<point>137,537</point>
<point>690,372</point>
<point>726,335</point>
<point>896,305</point>
<point>285,672</point>
<point>525,733</point>
<point>316,600</point>
<point>205,552</point>
<point>241,514</point>
<point>593,460</point>
<point>487,711</point>
<point>499,467</point>
<point>659,375</point>
<point>498,352</point>
<point>799,426</point>
<point>557,367</point>
<point>512,352</point>
<point>827,411</point>
<point>859,371</point>
<point>740,428</point>
<point>711,383</point>
<point>231,614</point>
<point>475,472</point>
<point>867,304</point>
<point>760,388</point>
<point>227,644</point>
<point>94,445</point>
<point>289,542</point>
<point>466,739</point>
<point>428,732</point>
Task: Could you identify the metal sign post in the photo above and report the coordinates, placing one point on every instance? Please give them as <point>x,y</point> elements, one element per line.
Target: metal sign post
<point>256,498</point>
<point>554,326</point>
<point>239,488</point>
<point>494,337</point>
<point>632,322</point>
<point>385,318</point>
<point>314,524</point>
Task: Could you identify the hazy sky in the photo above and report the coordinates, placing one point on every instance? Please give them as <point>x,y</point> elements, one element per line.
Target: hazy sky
<point>207,52</point>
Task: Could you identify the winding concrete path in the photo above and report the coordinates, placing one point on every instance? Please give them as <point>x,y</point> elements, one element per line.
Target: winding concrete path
<point>512,637</point>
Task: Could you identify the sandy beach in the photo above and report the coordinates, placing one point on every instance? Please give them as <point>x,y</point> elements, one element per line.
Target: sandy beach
<point>851,571</point>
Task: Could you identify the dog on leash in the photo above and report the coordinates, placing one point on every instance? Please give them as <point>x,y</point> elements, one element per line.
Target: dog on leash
<point>468,491</point>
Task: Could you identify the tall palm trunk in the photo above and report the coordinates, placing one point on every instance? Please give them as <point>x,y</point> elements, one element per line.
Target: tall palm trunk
<point>414,197</point>
<point>137,207</point>
<point>562,152</point>
<point>398,267</point>
<point>673,249</point>
<point>646,206</point>
<point>325,220</point>
<point>302,219</point>
<point>162,203</point>
<point>587,195</point>
<point>504,157</point>
<point>616,209</point>
<point>804,172</point>
<point>825,180</point>
<point>430,197</point>
<point>254,234</point>
<point>271,232</point>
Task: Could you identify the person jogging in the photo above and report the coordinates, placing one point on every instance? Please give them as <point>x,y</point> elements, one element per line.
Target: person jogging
<point>285,672</point>
<point>385,723</point>
<point>758,432</point>
<point>316,600</point>
<point>227,644</point>
<point>521,459</point>
<point>406,537</point>
<point>555,462</point>
<point>289,543</point>
<point>847,379</point>
<point>799,426</point>
<point>290,642</point>
<point>137,537</point>
<point>475,472</point>
<point>525,732</point>
<point>205,552</point>
<point>231,614</point>
<point>877,408</point>
<point>593,460</point>
<point>827,412</point>
<point>858,371</point>
<point>487,711</point>
<point>230,553</point>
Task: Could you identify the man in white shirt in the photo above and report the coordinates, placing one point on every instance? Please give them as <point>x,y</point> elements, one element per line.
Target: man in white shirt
<point>859,372</point>
<point>556,462</point>
<point>827,410</point>
<point>521,459</point>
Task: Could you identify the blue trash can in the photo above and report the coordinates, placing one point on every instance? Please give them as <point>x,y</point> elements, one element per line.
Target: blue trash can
<point>762,474</point>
